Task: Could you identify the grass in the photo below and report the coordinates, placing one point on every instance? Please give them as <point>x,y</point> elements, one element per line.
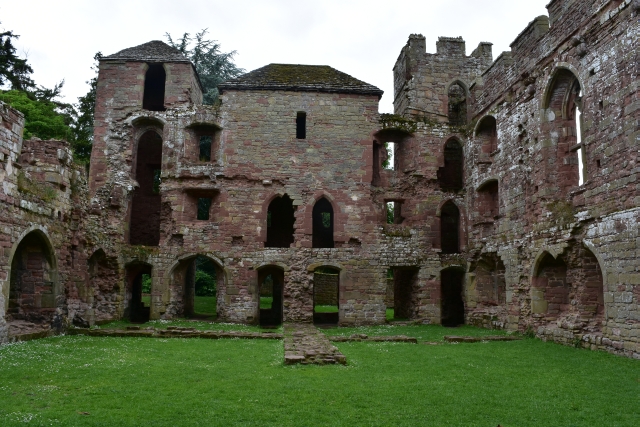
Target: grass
<point>86,381</point>
<point>266,302</point>
<point>326,308</point>
<point>205,306</point>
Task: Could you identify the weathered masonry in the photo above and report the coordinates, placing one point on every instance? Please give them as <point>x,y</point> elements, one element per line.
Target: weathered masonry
<point>511,199</point>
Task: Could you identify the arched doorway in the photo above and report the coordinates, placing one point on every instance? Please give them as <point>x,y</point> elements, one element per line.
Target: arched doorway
<point>452,304</point>
<point>271,291</point>
<point>196,281</point>
<point>323,224</point>
<point>326,296</point>
<point>139,284</point>
<point>33,284</point>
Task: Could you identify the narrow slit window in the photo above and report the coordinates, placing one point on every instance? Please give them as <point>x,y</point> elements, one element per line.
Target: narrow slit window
<point>205,148</point>
<point>204,205</point>
<point>301,125</point>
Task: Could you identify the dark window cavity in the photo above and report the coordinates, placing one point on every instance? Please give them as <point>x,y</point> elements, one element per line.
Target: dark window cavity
<point>323,223</point>
<point>301,125</point>
<point>154,81</point>
<point>144,226</point>
<point>204,206</point>
<point>450,175</point>
<point>280,223</point>
<point>450,228</point>
<point>205,148</point>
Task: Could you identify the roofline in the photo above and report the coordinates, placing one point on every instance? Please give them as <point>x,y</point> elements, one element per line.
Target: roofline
<point>222,87</point>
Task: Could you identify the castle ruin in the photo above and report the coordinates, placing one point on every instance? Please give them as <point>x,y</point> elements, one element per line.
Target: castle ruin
<point>512,188</point>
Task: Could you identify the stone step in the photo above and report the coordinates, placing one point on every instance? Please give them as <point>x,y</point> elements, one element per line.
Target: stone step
<point>306,345</point>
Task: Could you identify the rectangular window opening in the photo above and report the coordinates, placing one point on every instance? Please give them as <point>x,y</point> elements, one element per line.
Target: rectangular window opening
<point>390,162</point>
<point>205,148</point>
<point>394,210</point>
<point>301,125</point>
<point>204,206</point>
<point>326,219</point>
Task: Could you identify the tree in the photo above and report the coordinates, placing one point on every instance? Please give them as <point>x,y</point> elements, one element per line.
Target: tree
<point>212,65</point>
<point>13,69</point>
<point>83,118</point>
<point>41,116</point>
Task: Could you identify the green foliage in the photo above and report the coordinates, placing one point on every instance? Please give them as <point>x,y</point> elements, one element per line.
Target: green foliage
<point>386,163</point>
<point>13,70</point>
<point>326,219</point>
<point>42,116</point>
<point>230,382</point>
<point>205,277</point>
<point>212,65</point>
<point>146,284</point>
<point>83,118</point>
<point>389,206</point>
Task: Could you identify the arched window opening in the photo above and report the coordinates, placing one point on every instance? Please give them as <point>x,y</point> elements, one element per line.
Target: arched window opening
<point>550,290</point>
<point>271,291</point>
<point>301,125</point>
<point>564,106</point>
<point>323,224</point>
<point>451,303</point>
<point>490,282</point>
<point>326,295</point>
<point>33,283</point>
<point>139,286</point>
<point>280,223</point>
<point>154,82</point>
<point>404,300</point>
<point>487,201</point>
<point>487,136</point>
<point>200,288</point>
<point>457,105</point>
<point>450,175</point>
<point>144,226</point>
<point>450,228</point>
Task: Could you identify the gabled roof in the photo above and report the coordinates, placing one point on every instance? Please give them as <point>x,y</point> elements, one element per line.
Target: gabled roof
<point>153,51</point>
<point>300,78</point>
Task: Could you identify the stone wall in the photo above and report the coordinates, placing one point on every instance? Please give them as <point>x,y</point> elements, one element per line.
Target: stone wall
<point>325,289</point>
<point>42,199</point>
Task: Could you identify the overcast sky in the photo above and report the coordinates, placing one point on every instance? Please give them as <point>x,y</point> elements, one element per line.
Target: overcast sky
<point>360,37</point>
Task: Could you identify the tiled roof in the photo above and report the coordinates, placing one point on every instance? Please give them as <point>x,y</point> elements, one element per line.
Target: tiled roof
<point>300,78</point>
<point>153,51</point>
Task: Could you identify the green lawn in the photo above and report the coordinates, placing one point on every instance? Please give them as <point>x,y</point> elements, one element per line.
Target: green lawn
<point>326,308</point>
<point>86,381</point>
<point>266,302</point>
<point>205,305</point>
